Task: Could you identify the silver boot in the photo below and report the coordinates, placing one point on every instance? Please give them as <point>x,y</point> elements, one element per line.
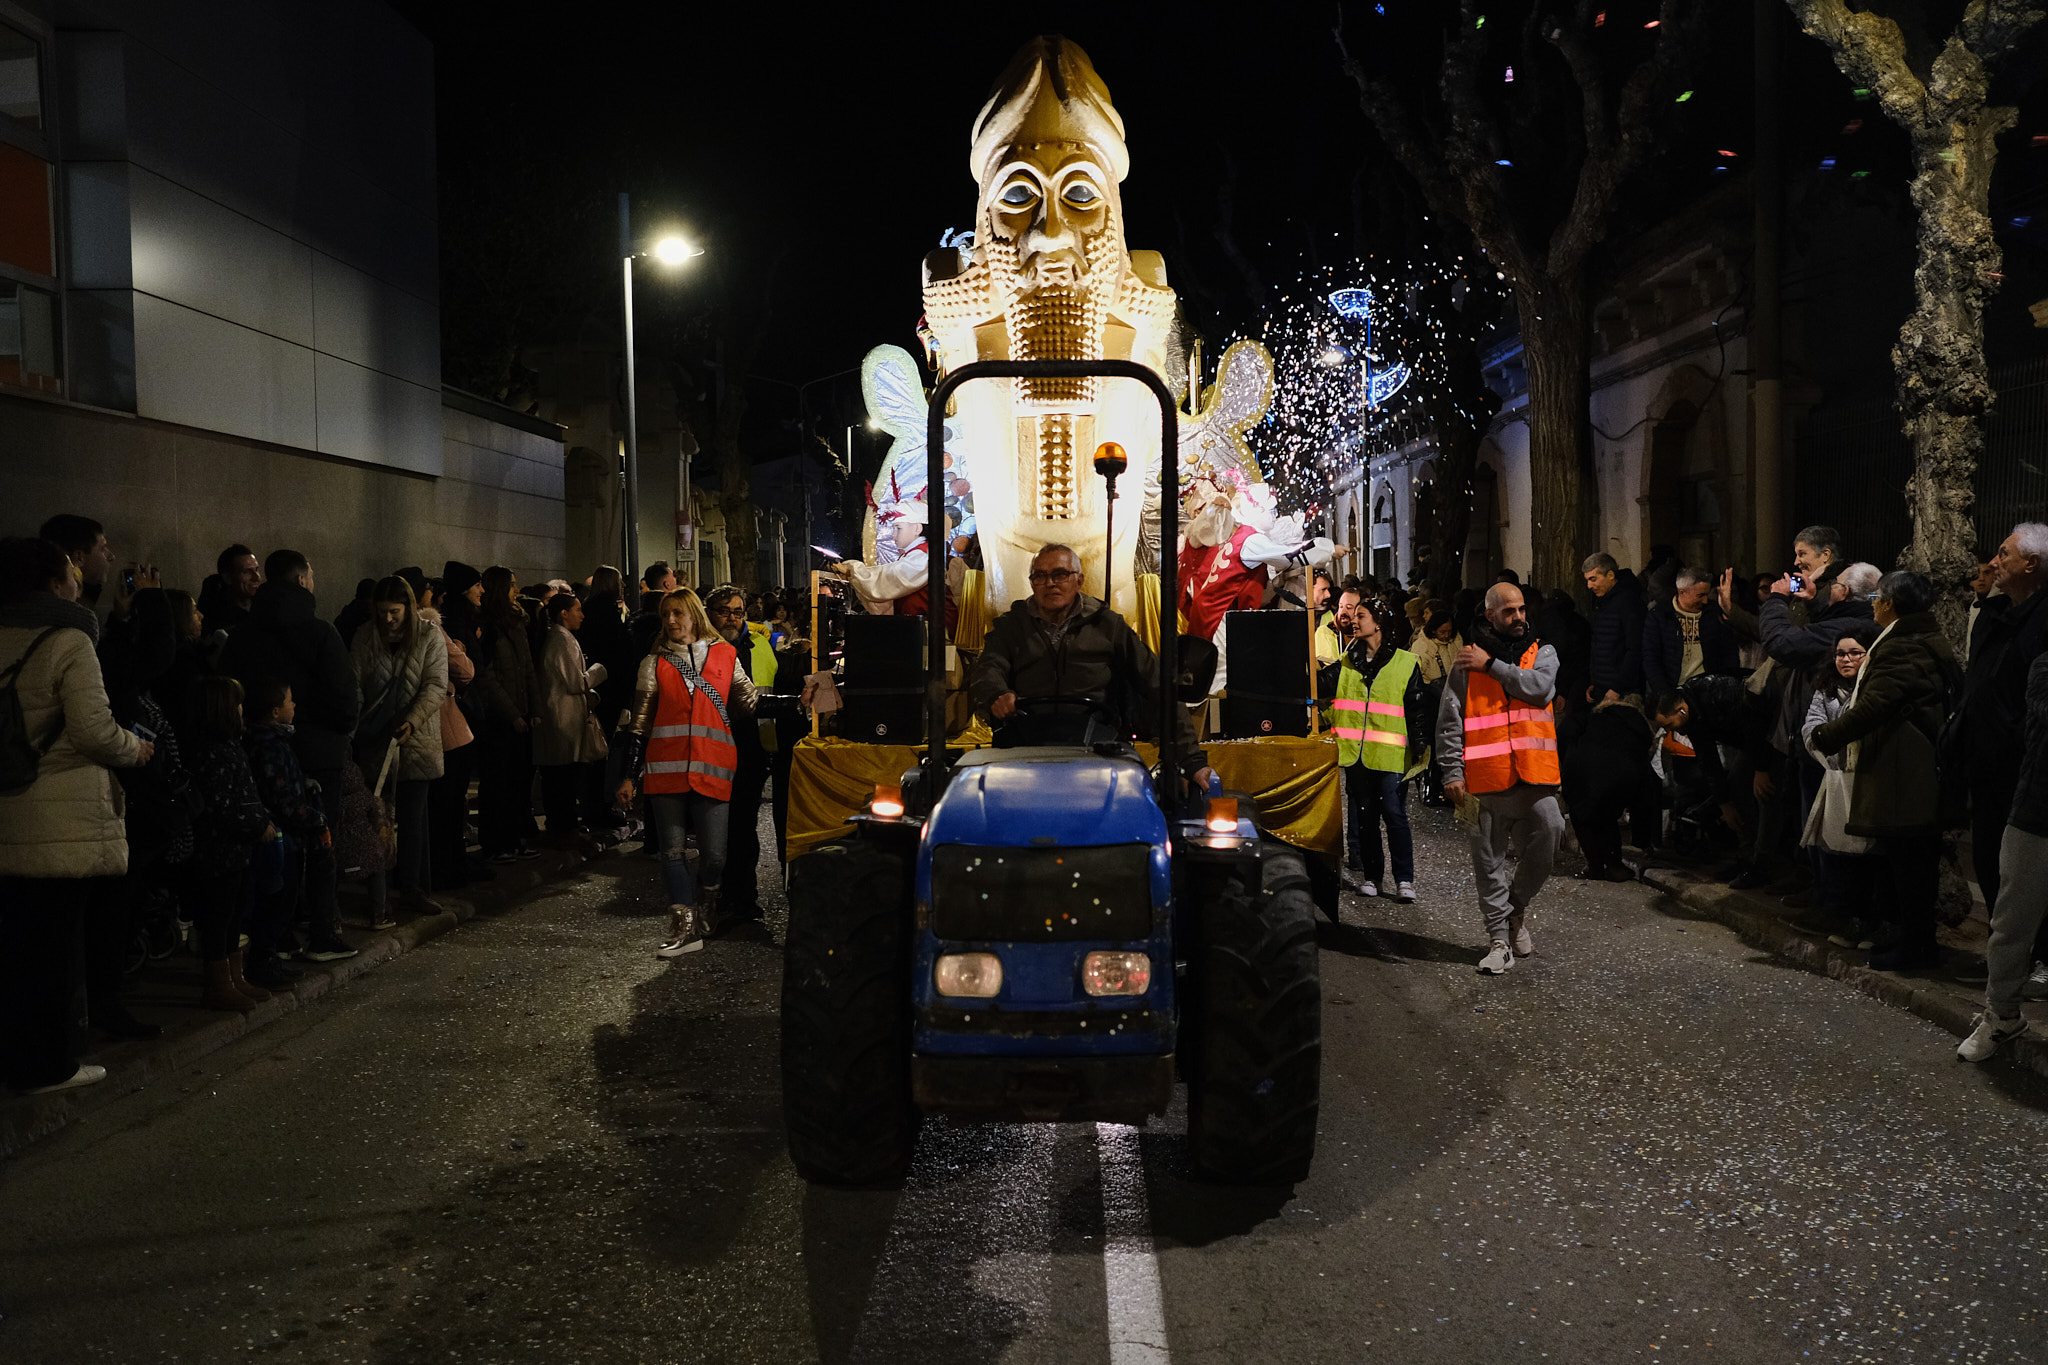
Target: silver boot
<point>685,934</point>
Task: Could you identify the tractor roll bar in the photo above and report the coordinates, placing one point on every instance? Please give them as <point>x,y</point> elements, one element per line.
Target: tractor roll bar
<point>1169,537</point>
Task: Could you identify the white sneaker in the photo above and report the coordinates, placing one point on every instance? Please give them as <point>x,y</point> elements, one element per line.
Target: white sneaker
<point>2036,985</point>
<point>1985,1038</point>
<point>1518,933</point>
<point>1405,893</point>
<point>85,1075</point>
<point>1498,959</point>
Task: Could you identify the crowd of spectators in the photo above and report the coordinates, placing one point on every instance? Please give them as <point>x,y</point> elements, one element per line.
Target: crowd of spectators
<point>233,759</point>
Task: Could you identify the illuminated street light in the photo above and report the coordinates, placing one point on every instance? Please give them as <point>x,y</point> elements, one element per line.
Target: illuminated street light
<point>671,250</point>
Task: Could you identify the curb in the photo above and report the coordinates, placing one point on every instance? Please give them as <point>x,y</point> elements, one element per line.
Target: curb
<point>132,1066</point>
<point>1758,926</point>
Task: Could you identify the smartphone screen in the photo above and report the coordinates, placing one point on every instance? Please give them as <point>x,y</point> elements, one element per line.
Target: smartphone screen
<point>143,733</point>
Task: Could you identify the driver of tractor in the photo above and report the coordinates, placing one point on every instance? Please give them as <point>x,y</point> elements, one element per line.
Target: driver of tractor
<point>1061,643</point>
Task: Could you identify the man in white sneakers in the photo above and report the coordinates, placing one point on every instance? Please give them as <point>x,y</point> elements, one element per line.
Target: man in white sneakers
<point>2022,885</point>
<point>1497,741</point>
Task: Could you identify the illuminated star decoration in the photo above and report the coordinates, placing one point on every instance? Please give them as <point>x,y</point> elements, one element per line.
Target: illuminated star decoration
<point>1386,381</point>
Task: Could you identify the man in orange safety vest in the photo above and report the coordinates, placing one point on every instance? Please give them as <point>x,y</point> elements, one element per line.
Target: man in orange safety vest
<point>1497,742</point>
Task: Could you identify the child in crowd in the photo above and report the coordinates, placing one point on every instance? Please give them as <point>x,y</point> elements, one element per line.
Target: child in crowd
<point>233,822</point>
<point>297,807</point>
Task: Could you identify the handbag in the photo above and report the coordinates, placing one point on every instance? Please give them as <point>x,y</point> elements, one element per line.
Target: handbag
<point>595,745</point>
<point>1827,824</point>
<point>361,846</point>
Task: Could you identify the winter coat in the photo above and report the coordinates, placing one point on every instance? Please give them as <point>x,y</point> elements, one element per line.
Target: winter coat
<point>1801,651</point>
<point>1994,708</point>
<point>1722,713</point>
<point>1617,661</point>
<point>1607,768</point>
<point>1019,655</point>
<point>1900,702</point>
<point>566,682</point>
<point>296,806</point>
<point>2030,797</point>
<point>69,821</point>
<point>455,731</point>
<point>1664,645</point>
<point>507,687</point>
<point>607,639</point>
<point>1825,706</point>
<point>284,638</point>
<point>235,814</point>
<point>403,685</point>
<point>1433,657</point>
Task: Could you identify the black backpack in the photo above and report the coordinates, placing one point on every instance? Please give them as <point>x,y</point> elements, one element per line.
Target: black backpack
<point>19,755</point>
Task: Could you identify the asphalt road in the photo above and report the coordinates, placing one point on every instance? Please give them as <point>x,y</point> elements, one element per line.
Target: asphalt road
<point>532,1141</point>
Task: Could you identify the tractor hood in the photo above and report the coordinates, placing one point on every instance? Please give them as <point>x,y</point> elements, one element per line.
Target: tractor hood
<point>1060,798</point>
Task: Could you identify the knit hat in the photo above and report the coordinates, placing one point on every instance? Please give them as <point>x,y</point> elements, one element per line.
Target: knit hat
<point>459,578</point>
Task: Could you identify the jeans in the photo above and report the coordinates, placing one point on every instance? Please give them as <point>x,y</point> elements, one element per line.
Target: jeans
<point>1378,798</point>
<point>676,815</point>
<point>321,909</point>
<point>2016,919</point>
<point>271,914</point>
<point>39,922</point>
<point>1526,818</point>
<point>1908,882</point>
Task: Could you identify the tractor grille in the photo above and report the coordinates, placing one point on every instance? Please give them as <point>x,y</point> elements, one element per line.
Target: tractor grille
<point>1041,895</point>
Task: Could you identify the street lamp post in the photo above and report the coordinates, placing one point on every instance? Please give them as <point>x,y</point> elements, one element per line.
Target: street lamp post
<point>669,251</point>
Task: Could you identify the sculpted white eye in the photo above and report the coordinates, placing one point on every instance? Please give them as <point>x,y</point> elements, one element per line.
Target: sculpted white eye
<point>1019,196</point>
<point>1082,195</point>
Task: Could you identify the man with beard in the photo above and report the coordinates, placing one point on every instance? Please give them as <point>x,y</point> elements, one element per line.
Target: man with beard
<point>1497,741</point>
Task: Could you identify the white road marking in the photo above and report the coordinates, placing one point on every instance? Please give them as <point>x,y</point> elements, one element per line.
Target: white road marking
<point>1130,1272</point>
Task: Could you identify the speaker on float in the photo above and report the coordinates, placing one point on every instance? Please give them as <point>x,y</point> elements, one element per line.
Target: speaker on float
<point>1266,674</point>
<point>883,690</point>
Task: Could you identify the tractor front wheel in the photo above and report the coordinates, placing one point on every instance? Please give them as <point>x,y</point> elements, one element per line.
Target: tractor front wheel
<point>846,1015</point>
<point>1255,1077</point>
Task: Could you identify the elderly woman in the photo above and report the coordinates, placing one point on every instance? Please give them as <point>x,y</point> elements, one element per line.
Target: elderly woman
<point>402,663</point>
<point>691,694</point>
<point>566,743</point>
<point>1894,715</point>
<point>60,810</point>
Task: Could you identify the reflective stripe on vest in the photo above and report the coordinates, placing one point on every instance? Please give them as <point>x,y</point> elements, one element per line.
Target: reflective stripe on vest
<point>689,749</point>
<point>1507,740</point>
<point>1371,724</point>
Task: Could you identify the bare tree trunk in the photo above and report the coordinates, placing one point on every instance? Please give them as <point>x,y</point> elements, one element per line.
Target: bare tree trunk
<point>1944,382</point>
<point>1557,349</point>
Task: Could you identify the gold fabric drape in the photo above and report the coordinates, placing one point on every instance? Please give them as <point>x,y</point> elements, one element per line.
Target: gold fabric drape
<point>1294,781</point>
<point>1147,624</point>
<point>975,613</point>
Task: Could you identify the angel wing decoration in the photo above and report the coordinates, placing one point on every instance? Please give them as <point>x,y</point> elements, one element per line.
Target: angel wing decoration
<point>893,386</point>
<point>1212,442</point>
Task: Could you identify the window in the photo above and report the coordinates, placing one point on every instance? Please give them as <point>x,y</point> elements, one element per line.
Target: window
<point>26,238</point>
<point>21,79</point>
<point>28,338</point>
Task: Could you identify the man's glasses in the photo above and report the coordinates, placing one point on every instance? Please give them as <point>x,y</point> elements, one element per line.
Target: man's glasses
<point>1052,575</point>
<point>725,611</point>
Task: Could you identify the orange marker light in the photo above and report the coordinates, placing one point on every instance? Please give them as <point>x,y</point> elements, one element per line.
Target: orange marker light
<point>1223,815</point>
<point>888,802</point>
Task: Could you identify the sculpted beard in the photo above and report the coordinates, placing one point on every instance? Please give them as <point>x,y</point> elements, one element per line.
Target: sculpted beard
<point>1060,317</point>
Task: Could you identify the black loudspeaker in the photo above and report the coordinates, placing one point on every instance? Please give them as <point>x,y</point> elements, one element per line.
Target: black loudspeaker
<point>1266,684</point>
<point>883,689</point>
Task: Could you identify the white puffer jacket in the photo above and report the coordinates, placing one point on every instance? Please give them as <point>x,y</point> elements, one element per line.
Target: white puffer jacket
<point>69,821</point>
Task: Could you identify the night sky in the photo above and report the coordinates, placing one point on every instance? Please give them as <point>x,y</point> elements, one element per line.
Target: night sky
<point>818,154</point>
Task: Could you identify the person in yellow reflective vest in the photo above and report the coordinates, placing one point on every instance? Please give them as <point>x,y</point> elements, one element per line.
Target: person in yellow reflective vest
<point>1496,738</point>
<point>1382,728</point>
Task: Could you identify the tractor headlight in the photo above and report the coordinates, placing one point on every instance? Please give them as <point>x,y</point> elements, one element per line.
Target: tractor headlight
<point>976,974</point>
<point>1116,973</point>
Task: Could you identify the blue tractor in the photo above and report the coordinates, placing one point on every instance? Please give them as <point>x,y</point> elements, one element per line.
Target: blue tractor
<point>1053,933</point>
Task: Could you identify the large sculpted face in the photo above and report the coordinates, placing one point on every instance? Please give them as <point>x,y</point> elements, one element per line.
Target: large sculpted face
<point>1049,278</point>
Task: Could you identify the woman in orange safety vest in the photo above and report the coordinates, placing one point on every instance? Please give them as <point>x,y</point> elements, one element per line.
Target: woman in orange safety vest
<point>681,752</point>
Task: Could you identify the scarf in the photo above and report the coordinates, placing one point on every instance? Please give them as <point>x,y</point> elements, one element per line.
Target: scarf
<point>41,610</point>
<point>1498,645</point>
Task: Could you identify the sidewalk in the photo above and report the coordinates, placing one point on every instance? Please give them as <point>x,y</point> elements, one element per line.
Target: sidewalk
<point>1949,996</point>
<point>165,992</point>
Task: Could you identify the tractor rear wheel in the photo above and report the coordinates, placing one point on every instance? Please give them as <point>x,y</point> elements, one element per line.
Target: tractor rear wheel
<point>1255,1077</point>
<point>846,1015</point>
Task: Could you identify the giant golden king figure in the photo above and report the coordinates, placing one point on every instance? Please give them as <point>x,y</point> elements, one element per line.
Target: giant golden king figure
<point>1048,277</point>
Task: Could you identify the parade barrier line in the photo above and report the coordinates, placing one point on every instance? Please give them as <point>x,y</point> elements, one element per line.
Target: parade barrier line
<point>1293,779</point>
<point>193,1034</point>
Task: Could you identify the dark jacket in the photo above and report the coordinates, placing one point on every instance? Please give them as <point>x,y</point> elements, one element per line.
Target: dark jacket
<point>286,639</point>
<point>1902,699</point>
<point>2030,797</point>
<point>234,817</point>
<point>1664,644</point>
<point>135,651</point>
<point>1571,635</point>
<point>1607,768</point>
<point>606,640</point>
<point>1721,711</point>
<point>1801,651</point>
<point>1617,660</point>
<point>1994,705</point>
<point>295,805</point>
<point>1018,655</point>
<point>507,686</point>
